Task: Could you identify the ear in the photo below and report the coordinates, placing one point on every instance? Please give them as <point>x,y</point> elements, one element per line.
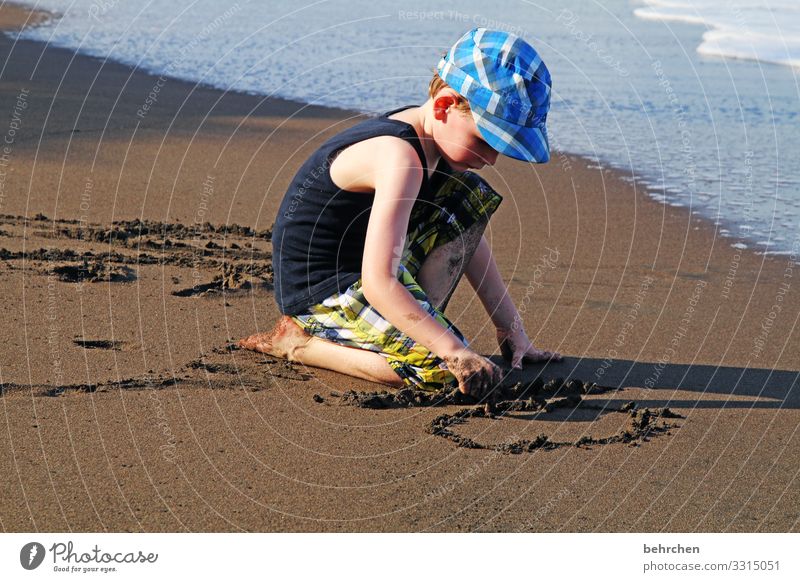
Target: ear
<point>442,103</point>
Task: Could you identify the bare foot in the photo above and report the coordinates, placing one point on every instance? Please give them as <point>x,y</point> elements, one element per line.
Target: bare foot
<point>283,341</point>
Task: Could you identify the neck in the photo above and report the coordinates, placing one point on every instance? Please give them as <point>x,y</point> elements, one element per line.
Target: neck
<point>423,117</point>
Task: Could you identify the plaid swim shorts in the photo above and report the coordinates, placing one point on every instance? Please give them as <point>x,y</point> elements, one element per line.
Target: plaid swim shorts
<point>347,318</point>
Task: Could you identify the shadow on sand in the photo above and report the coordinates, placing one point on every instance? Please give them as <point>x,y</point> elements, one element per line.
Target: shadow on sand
<point>765,388</point>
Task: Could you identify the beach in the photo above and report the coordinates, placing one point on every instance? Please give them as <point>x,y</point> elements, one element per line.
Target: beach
<point>136,212</point>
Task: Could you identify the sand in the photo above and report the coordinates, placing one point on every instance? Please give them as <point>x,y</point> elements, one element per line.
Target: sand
<point>135,247</point>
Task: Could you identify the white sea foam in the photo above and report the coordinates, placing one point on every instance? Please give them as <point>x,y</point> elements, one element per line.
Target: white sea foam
<point>767,31</point>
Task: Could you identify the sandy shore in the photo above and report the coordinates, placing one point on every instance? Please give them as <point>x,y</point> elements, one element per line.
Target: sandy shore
<point>135,245</point>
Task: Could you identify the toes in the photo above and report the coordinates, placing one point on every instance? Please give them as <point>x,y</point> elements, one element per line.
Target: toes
<point>254,342</point>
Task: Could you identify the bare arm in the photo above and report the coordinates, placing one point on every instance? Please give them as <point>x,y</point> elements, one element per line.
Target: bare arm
<point>397,179</point>
<point>484,276</point>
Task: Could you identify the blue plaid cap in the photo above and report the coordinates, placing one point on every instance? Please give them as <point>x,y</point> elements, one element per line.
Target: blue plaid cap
<point>507,86</point>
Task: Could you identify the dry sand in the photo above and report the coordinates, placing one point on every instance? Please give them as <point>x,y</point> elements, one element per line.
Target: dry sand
<point>124,410</point>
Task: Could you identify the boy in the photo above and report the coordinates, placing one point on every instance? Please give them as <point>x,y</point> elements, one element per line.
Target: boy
<point>369,243</point>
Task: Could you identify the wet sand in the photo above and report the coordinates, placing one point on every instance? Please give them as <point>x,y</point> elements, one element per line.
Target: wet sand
<point>135,247</point>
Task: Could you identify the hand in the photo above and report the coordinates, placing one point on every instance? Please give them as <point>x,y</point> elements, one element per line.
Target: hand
<point>475,374</point>
<point>517,349</point>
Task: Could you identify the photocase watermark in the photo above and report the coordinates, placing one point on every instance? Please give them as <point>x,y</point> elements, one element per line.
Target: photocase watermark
<point>544,509</point>
<point>679,113</point>
<point>570,20</point>
<point>51,314</point>
<point>399,251</point>
<point>69,560</point>
<point>629,321</point>
<point>10,137</point>
<point>740,17</point>
<point>205,196</point>
<point>547,262</point>
<point>169,450</point>
<point>471,471</point>
<point>768,321</point>
<point>85,204</point>
<point>469,19</point>
<point>733,268</point>
<point>99,7</point>
<point>83,220</point>
<point>680,332</point>
<point>564,161</point>
<point>207,192</point>
<point>309,180</point>
<point>31,555</point>
<point>153,95</point>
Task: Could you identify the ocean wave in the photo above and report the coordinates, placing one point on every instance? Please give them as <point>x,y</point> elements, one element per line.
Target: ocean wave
<point>768,33</point>
<point>751,46</point>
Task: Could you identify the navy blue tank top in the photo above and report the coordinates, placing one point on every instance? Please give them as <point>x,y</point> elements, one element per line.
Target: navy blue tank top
<point>319,233</point>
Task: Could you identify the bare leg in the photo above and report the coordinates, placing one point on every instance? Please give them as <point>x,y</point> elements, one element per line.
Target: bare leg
<point>439,276</point>
<point>444,266</point>
<point>287,340</point>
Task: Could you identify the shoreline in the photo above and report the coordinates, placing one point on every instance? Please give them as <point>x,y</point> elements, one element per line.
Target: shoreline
<point>724,228</point>
<point>146,250</point>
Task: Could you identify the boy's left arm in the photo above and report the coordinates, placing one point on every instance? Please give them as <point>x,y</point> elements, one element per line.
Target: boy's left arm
<point>484,276</point>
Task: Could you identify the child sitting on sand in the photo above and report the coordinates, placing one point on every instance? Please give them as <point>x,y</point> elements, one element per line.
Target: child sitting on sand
<point>380,223</point>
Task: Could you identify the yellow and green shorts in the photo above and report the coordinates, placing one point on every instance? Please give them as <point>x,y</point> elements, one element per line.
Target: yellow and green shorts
<point>347,318</point>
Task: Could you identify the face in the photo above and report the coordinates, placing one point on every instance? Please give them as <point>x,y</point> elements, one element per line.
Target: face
<point>459,140</point>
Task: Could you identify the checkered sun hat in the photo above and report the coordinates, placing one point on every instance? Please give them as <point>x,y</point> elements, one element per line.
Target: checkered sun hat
<point>507,86</point>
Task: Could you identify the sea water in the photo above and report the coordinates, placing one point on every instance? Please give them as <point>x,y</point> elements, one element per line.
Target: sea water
<point>696,101</point>
<point>758,31</point>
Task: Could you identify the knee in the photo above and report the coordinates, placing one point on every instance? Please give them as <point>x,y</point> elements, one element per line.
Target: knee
<point>394,381</point>
<point>383,373</point>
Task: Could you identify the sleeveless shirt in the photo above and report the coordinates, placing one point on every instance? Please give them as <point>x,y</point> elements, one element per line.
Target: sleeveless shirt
<point>320,230</point>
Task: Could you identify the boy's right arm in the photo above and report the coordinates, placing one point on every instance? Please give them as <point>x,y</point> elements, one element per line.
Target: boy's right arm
<point>397,176</point>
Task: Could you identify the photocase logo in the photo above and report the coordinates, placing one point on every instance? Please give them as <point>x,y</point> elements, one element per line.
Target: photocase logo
<point>31,555</point>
